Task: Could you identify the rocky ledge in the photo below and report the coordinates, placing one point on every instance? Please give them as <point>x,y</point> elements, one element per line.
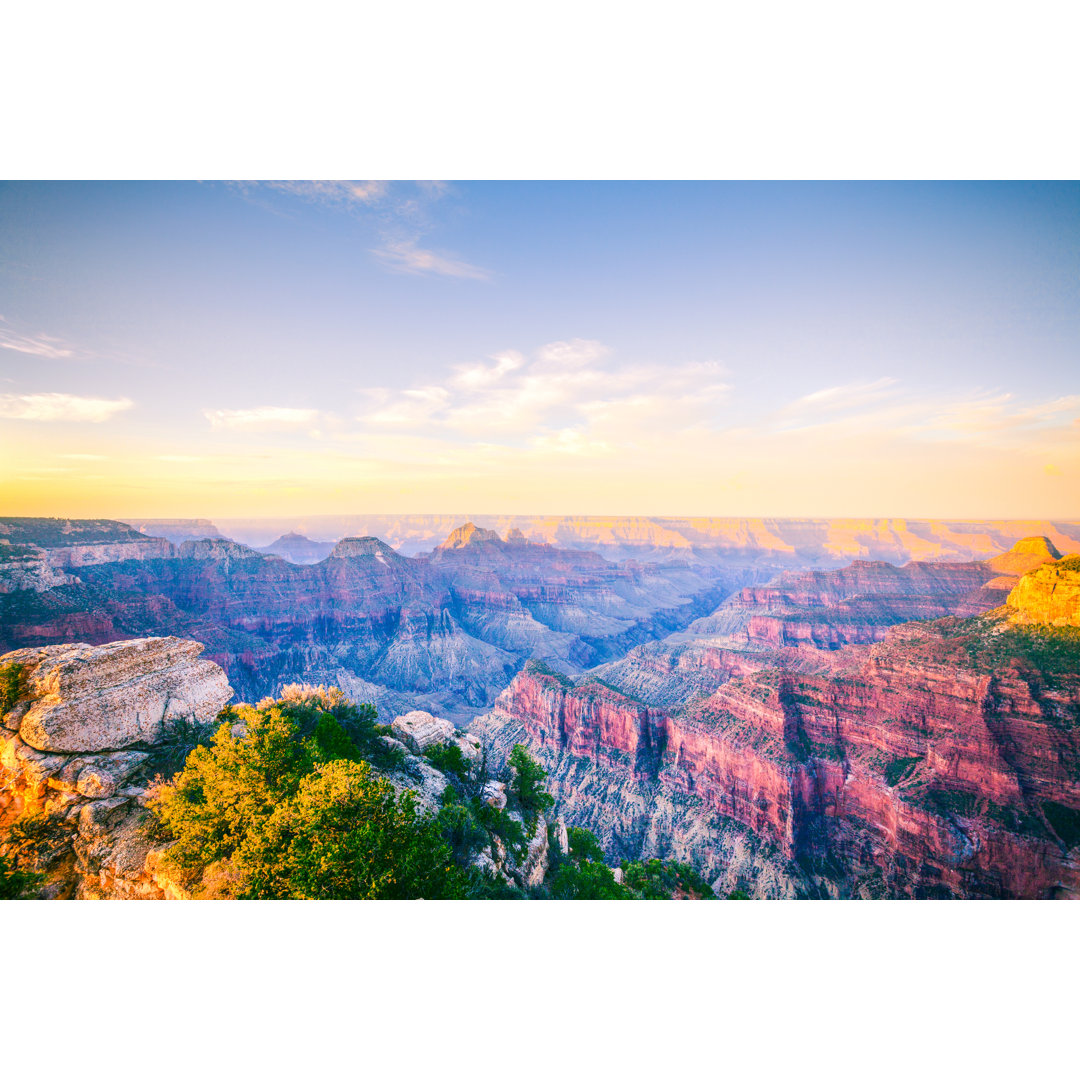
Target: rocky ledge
<point>89,698</point>
<point>85,729</point>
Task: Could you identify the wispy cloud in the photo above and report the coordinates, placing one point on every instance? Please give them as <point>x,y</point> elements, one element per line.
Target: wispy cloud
<point>83,457</point>
<point>574,353</point>
<point>62,407</point>
<point>569,441</point>
<point>406,257</point>
<point>412,408</point>
<point>984,418</point>
<point>401,214</point>
<point>478,376</point>
<point>264,417</point>
<point>332,192</point>
<point>848,396</point>
<point>49,348</point>
<point>998,414</point>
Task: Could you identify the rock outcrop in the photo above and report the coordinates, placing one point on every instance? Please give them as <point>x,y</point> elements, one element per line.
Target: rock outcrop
<point>86,699</point>
<point>1048,595</point>
<point>83,787</point>
<point>297,548</point>
<point>78,746</point>
<point>468,535</point>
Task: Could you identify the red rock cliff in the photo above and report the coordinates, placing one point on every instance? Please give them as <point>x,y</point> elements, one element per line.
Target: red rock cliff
<point>942,761</point>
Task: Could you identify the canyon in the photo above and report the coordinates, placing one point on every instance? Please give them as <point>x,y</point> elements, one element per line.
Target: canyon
<point>780,542</point>
<point>444,632</point>
<point>942,760</point>
<point>868,730</point>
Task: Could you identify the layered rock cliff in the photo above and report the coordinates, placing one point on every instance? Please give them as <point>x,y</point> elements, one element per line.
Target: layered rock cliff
<point>444,633</point>
<point>777,542</point>
<point>787,621</point>
<point>943,760</point>
<point>1048,596</point>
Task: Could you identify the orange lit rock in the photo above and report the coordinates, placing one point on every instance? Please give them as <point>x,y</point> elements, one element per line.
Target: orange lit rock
<point>1048,596</point>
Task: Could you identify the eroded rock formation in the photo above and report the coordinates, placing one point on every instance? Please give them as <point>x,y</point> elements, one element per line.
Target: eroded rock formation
<point>1048,596</point>
<point>943,760</point>
<point>444,633</point>
<point>87,729</point>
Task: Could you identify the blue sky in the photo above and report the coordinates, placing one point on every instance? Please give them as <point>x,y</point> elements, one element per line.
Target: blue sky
<point>656,348</point>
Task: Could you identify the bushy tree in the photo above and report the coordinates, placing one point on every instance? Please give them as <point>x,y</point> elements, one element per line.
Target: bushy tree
<point>586,880</point>
<point>658,880</point>
<point>286,807</point>
<point>581,874</point>
<point>347,835</point>
<point>527,784</point>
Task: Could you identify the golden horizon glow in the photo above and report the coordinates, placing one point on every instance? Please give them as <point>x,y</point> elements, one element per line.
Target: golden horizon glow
<point>739,350</point>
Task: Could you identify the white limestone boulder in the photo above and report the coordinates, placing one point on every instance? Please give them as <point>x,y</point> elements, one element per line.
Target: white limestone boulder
<point>470,748</point>
<point>88,698</point>
<point>494,794</point>
<point>418,730</point>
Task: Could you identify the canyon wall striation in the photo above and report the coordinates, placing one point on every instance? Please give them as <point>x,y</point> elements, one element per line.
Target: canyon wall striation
<point>943,760</point>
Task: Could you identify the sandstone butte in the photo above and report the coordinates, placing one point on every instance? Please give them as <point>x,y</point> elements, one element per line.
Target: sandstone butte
<point>942,761</point>
<point>1048,596</point>
<point>93,724</point>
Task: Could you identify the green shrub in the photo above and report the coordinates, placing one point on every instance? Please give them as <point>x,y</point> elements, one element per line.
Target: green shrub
<point>1064,820</point>
<point>657,880</point>
<point>21,842</point>
<point>499,823</point>
<point>290,813</point>
<point>900,769</point>
<point>526,785</point>
<point>12,686</point>
<point>584,845</point>
<point>1050,652</point>
<point>15,882</point>
<point>346,835</point>
<point>586,881</point>
<point>538,667</point>
<point>462,831</point>
<point>448,758</point>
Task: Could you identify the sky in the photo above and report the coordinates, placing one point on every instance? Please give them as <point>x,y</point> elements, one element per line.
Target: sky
<point>671,349</point>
